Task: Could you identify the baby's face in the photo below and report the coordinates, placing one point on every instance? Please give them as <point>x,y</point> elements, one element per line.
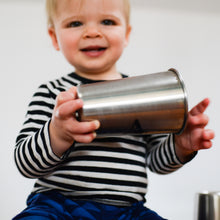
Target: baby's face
<point>90,33</point>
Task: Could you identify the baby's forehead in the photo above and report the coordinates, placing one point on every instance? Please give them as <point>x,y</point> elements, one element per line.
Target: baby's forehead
<point>78,5</point>
<point>80,8</point>
<point>83,7</point>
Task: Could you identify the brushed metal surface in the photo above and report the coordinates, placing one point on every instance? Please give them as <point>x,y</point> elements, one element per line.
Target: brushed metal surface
<point>151,103</point>
<point>207,206</point>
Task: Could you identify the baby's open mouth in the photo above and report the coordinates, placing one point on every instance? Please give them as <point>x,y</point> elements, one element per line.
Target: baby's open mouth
<point>93,48</point>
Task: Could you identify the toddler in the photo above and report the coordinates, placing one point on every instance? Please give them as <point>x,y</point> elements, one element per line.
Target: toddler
<point>79,175</point>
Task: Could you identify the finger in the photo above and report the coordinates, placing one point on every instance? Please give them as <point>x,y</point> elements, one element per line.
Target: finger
<point>73,91</point>
<point>206,145</point>
<point>198,120</point>
<point>208,134</point>
<point>201,107</point>
<point>86,138</point>
<point>65,96</point>
<point>68,108</point>
<point>207,137</point>
<point>85,127</point>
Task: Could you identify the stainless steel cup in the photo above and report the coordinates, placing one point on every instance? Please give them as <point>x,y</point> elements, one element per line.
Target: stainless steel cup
<point>207,206</point>
<point>146,104</point>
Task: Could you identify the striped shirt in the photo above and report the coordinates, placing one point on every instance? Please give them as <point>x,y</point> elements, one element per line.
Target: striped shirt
<point>110,170</point>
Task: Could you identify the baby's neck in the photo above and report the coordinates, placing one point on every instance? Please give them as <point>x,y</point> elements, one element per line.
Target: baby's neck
<point>101,76</point>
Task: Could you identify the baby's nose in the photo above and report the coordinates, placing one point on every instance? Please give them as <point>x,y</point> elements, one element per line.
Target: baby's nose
<point>92,31</point>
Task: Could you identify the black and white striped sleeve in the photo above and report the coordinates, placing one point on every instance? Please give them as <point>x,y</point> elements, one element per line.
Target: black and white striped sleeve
<point>33,154</point>
<point>161,156</point>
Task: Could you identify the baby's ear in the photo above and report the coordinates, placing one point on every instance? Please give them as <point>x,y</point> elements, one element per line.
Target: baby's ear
<point>127,35</point>
<point>53,36</point>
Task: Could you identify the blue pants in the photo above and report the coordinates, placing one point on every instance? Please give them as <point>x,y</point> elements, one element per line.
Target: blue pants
<point>54,206</point>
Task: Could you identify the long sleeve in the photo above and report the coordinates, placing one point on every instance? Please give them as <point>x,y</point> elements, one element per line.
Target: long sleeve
<point>33,154</point>
<point>161,155</point>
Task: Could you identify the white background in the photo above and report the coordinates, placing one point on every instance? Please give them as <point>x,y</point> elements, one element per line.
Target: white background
<point>169,33</point>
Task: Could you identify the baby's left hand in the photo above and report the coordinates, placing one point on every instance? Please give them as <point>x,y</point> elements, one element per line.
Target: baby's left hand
<point>194,137</point>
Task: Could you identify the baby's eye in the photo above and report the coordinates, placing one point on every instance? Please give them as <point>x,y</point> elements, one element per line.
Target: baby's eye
<point>75,24</point>
<point>108,22</point>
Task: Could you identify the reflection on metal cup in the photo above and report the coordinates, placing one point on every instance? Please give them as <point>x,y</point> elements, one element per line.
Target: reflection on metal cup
<point>207,206</point>
<point>146,104</point>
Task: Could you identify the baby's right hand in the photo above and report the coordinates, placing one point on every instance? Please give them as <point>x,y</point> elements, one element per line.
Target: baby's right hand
<point>64,127</point>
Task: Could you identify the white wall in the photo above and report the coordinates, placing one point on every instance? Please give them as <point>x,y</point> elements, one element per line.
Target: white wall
<point>164,36</point>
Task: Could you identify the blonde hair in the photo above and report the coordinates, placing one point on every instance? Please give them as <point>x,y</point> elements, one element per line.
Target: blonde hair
<point>51,6</point>
<point>51,9</point>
